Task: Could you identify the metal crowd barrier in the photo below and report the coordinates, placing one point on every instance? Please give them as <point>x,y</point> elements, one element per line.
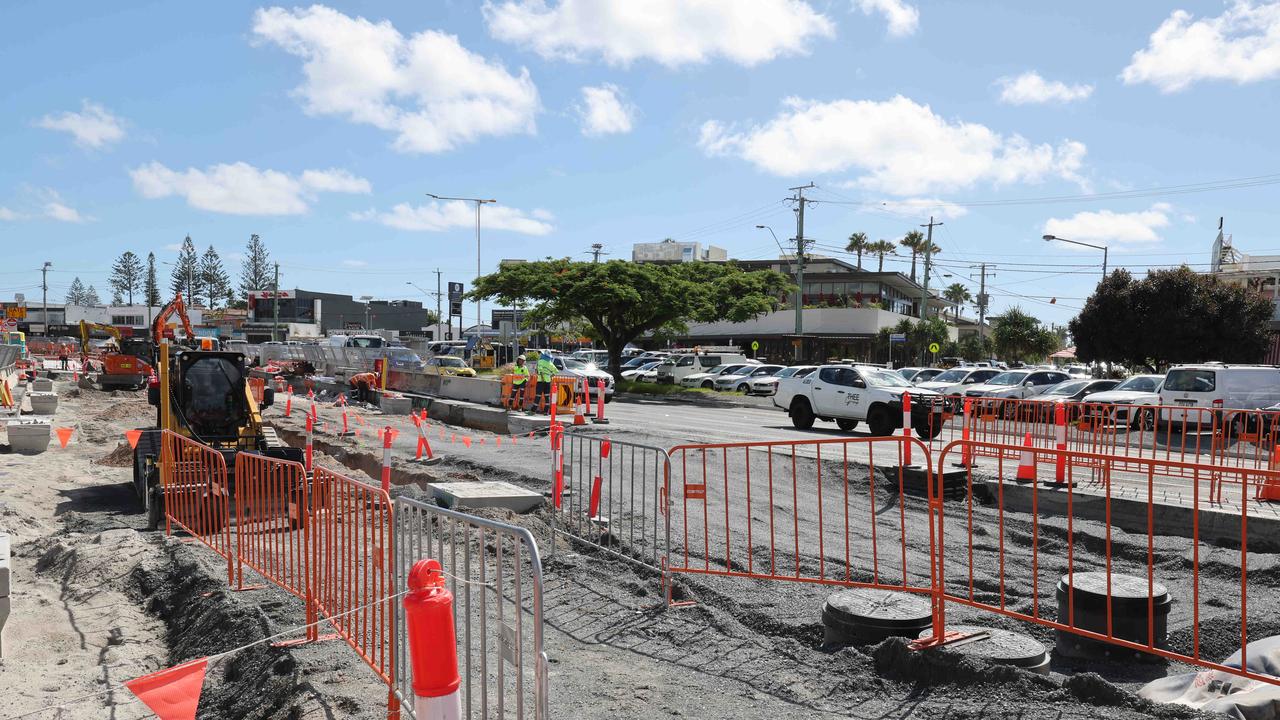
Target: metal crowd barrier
<point>193,480</point>
<point>495,574</point>
<point>1037,565</point>
<point>614,498</point>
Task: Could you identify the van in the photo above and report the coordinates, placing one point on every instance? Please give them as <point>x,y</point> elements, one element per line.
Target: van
<point>357,341</point>
<point>677,367</point>
<point>1217,386</point>
<point>446,347</point>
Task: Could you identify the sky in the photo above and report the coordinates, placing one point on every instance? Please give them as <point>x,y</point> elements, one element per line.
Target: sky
<point>1136,125</point>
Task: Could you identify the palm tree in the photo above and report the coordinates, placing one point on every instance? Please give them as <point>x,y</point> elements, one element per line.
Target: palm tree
<point>913,242</point>
<point>880,248</point>
<point>958,294</point>
<point>858,244</point>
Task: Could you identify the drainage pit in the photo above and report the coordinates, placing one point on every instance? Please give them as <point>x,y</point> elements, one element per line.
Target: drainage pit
<point>1001,647</point>
<point>1130,615</point>
<point>867,616</point>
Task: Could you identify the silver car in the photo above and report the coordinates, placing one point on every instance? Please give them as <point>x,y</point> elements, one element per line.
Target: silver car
<point>768,384</point>
<point>740,380</point>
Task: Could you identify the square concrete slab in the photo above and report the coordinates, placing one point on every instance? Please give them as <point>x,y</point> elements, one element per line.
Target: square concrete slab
<point>485,494</point>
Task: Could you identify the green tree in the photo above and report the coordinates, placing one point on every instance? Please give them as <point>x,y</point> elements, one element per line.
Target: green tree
<point>91,296</point>
<point>256,273</point>
<point>1019,336</point>
<point>213,279</point>
<point>1171,316</point>
<point>880,248</point>
<point>622,300</point>
<point>974,348</point>
<point>126,275</point>
<point>858,245</point>
<point>185,277</point>
<point>75,293</point>
<point>151,288</point>
<point>958,294</point>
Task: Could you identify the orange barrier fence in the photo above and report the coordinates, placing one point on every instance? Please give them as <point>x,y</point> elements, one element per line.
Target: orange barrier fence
<point>193,480</point>
<point>1118,588</point>
<point>273,532</point>
<point>257,386</point>
<point>811,511</point>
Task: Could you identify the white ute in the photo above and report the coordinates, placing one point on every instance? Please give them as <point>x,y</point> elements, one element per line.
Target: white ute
<point>861,393</point>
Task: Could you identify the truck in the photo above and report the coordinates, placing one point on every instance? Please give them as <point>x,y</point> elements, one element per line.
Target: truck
<point>850,395</point>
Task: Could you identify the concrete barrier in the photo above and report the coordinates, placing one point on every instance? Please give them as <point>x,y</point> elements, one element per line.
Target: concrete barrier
<point>4,587</point>
<point>43,403</point>
<point>28,438</point>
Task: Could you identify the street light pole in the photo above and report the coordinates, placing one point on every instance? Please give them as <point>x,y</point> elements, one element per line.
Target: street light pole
<point>44,298</point>
<point>478,202</point>
<point>1103,248</point>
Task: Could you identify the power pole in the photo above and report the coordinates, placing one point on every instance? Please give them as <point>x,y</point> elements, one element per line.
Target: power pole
<point>596,251</point>
<point>924,293</point>
<point>275,310</point>
<point>44,299</point>
<point>800,201</point>
<point>440,317</point>
<point>982,299</point>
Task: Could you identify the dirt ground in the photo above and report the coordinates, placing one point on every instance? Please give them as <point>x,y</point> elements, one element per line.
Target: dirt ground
<point>99,600</point>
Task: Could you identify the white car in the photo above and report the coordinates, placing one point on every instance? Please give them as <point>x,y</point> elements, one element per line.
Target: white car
<point>740,380</point>
<point>707,379</point>
<point>1016,385</point>
<point>636,371</point>
<point>1077,371</point>
<point>768,384</point>
<point>576,368</point>
<point>860,393</point>
<point>1137,390</point>
<point>956,380</point>
<point>1218,386</point>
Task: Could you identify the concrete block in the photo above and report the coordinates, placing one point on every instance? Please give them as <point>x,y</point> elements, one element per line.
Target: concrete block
<point>43,403</point>
<point>28,438</point>
<point>518,424</point>
<point>485,418</point>
<point>395,405</point>
<point>4,587</point>
<point>485,494</point>
<point>42,385</point>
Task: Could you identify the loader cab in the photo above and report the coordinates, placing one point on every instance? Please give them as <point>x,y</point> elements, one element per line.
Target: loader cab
<point>208,395</point>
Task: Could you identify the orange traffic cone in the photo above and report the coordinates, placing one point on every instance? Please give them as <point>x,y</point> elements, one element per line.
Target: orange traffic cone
<point>579,406</point>
<point>1027,461</point>
<point>1269,490</point>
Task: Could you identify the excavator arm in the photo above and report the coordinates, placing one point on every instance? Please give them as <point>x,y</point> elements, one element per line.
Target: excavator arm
<point>174,306</point>
<point>87,327</point>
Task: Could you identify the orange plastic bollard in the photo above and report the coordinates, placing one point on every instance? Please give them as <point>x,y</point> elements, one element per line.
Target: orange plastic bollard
<point>966,452</point>
<point>906,428</point>
<point>433,645</point>
<point>599,418</point>
<point>1027,461</point>
<point>288,402</point>
<point>1060,438</point>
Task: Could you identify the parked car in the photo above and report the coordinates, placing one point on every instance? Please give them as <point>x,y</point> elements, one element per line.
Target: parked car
<point>447,365</point>
<point>577,368</point>
<point>1115,405</point>
<point>768,384</point>
<point>1072,392</point>
<point>648,376</point>
<point>599,357</point>
<point>739,380</point>
<point>1078,371</point>
<point>636,362</point>
<point>909,373</point>
<point>674,369</point>
<point>1218,386</point>
<point>1013,385</point>
<point>861,393</point>
<point>956,380</point>
<point>707,379</point>
<point>633,373</point>
<point>926,375</point>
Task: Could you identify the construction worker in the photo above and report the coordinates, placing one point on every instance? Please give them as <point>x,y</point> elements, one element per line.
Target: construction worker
<point>546,370</point>
<point>518,383</point>
<point>364,383</point>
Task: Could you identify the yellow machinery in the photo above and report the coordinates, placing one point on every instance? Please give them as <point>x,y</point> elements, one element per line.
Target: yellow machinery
<point>127,366</point>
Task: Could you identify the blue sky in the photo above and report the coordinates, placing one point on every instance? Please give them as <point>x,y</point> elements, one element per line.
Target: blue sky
<point>129,125</point>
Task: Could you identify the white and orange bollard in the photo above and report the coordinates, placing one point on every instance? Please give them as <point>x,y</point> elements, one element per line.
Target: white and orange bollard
<point>557,463</point>
<point>1060,441</point>
<point>288,401</point>
<point>906,428</point>
<point>424,445</point>
<point>388,436</point>
<point>599,418</point>
<point>433,644</point>
<point>966,452</point>
<point>311,421</point>
<point>1027,461</point>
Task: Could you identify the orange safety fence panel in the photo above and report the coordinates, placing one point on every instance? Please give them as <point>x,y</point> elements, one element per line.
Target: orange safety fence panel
<point>194,484</point>
<point>257,386</point>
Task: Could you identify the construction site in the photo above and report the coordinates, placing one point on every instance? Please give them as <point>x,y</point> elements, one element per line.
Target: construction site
<point>245,539</point>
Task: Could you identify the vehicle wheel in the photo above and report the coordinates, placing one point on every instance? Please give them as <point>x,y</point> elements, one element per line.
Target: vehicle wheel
<point>928,431</point>
<point>846,424</point>
<point>155,507</point>
<point>1144,420</point>
<point>707,384</point>
<point>801,414</point>
<point>744,389</point>
<point>880,422</point>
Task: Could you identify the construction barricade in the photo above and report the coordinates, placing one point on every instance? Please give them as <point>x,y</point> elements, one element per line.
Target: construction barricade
<point>1104,567</point>
<point>832,512</point>
<point>194,484</point>
<point>495,574</point>
<point>612,497</point>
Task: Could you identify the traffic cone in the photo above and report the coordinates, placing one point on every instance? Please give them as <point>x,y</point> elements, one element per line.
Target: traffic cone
<point>579,406</point>
<point>1270,489</point>
<point>433,645</point>
<point>1027,461</point>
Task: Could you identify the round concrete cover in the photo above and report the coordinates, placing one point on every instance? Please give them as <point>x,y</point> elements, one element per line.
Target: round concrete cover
<point>1000,646</point>
<point>881,609</point>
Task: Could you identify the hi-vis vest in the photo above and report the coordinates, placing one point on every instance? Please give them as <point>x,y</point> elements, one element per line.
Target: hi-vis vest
<point>546,370</point>
<point>521,373</point>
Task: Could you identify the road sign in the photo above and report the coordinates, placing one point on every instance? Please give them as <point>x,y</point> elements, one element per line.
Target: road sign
<point>934,347</point>
<point>9,324</point>
<point>455,308</point>
<point>755,345</point>
<point>455,292</point>
<point>15,312</point>
<point>897,338</point>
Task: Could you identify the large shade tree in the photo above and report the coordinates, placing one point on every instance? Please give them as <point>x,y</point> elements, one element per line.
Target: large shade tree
<point>622,301</point>
<point>1019,336</point>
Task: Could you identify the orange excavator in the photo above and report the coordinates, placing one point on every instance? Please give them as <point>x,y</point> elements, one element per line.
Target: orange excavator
<point>127,365</point>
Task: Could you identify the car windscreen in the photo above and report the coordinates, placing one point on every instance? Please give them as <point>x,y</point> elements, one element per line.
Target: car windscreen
<point>717,369</point>
<point>804,371</point>
<point>1191,380</point>
<point>884,378</point>
<point>1007,378</point>
<point>1067,388</point>
<point>449,361</point>
<point>951,376</point>
<point>1141,383</point>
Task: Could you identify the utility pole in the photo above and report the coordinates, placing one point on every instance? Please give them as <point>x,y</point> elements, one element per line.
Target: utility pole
<point>275,310</point>
<point>596,251</point>
<point>440,317</point>
<point>44,298</point>
<point>924,292</point>
<point>982,300</point>
<point>800,201</point>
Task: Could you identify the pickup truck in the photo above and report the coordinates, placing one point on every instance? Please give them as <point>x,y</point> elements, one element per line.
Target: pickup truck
<point>860,393</point>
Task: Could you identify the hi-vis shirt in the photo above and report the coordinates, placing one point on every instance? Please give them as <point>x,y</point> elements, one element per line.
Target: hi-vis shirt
<point>546,370</point>
<point>521,373</point>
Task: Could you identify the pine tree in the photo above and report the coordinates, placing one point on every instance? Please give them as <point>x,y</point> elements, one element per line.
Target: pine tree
<point>213,279</point>
<point>152,287</point>
<point>126,276</point>
<point>256,272</point>
<point>91,297</point>
<point>185,277</point>
<point>75,293</point>
<point>117,298</point>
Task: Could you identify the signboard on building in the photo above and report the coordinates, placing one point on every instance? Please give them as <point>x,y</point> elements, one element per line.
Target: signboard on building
<point>268,294</point>
<point>15,312</point>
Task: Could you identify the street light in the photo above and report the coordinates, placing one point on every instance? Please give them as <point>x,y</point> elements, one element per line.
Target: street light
<point>478,203</point>
<point>366,299</point>
<point>1103,248</point>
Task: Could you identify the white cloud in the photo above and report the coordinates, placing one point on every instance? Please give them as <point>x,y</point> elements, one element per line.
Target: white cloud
<point>53,207</point>
<point>93,127</point>
<point>242,189</point>
<point>903,19</point>
<point>427,89</point>
<point>902,147</point>
<point>605,111</point>
<point>917,207</point>
<point>8,215</point>
<point>1031,88</point>
<point>437,216</point>
<point>669,32</point>
<point>1241,45</point>
<point>1107,226</point>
